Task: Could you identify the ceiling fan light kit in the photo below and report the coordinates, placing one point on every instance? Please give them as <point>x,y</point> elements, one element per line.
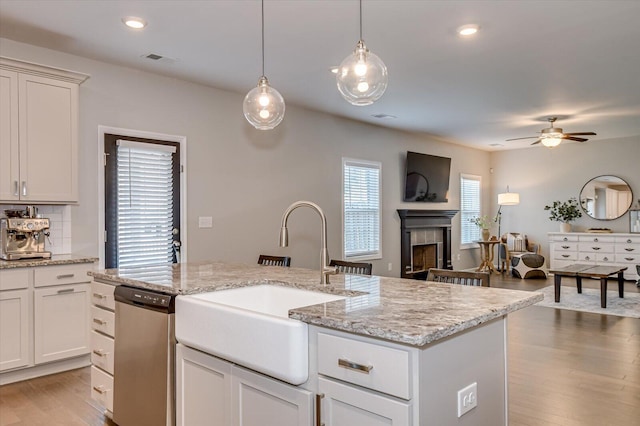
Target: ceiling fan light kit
<point>553,136</point>
<point>263,106</point>
<point>362,77</point>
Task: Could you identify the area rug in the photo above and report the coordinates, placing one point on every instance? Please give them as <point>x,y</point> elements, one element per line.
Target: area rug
<point>589,301</point>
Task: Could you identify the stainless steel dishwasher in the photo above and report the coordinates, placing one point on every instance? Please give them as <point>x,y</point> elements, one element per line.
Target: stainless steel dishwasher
<point>144,359</point>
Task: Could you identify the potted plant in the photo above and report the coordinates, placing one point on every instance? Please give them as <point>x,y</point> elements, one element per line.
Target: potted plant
<point>484,223</point>
<point>564,212</point>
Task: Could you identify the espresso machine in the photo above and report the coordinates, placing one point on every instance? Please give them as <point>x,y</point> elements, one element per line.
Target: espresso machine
<point>22,235</point>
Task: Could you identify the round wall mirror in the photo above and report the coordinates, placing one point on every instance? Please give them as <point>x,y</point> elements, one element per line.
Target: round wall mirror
<point>606,197</point>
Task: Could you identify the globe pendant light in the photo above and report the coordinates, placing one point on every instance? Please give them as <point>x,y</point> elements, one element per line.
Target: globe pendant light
<point>263,106</point>
<point>362,77</point>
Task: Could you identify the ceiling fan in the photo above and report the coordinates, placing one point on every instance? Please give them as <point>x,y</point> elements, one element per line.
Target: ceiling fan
<point>552,136</point>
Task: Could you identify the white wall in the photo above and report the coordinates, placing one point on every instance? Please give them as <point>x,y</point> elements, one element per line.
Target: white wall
<point>245,178</point>
<point>542,175</point>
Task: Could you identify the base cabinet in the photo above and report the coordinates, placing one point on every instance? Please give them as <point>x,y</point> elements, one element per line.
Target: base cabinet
<point>61,322</point>
<point>211,391</point>
<point>14,329</point>
<point>344,405</point>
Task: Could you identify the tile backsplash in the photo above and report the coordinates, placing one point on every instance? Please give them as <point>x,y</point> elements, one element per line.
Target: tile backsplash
<point>59,226</point>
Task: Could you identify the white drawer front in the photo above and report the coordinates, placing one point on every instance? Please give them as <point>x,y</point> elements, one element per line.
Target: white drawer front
<point>605,258</point>
<point>628,258</point>
<point>103,321</point>
<point>102,351</point>
<point>596,247</point>
<point>564,238</point>
<point>635,239</point>
<point>102,388</point>
<point>62,274</point>
<point>102,295</point>
<point>565,246</point>
<point>570,255</point>
<point>13,279</point>
<point>389,371</point>
<point>596,239</point>
<point>628,248</point>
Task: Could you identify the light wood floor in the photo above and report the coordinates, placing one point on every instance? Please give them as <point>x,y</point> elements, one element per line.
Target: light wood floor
<point>566,368</point>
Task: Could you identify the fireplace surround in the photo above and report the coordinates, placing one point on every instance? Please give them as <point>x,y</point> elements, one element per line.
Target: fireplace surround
<point>425,241</point>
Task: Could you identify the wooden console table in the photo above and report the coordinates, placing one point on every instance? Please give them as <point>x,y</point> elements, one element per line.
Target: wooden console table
<point>580,271</point>
<point>486,254</point>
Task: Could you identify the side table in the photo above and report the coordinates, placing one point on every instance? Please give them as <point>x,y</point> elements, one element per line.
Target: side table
<point>486,254</point>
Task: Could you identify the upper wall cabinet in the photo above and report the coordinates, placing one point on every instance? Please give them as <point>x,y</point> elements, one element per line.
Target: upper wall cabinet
<point>38,133</point>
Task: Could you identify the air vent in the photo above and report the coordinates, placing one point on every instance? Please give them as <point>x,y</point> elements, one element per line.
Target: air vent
<point>385,116</point>
<point>159,58</point>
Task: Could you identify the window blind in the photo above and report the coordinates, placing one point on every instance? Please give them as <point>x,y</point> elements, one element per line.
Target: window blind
<point>361,204</point>
<point>144,203</point>
<point>469,208</point>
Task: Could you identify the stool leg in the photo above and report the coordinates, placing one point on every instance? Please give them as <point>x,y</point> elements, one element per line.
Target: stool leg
<point>579,283</point>
<point>621,285</point>
<point>556,285</point>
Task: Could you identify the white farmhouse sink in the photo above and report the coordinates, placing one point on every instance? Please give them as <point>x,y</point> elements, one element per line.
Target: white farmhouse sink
<point>251,327</point>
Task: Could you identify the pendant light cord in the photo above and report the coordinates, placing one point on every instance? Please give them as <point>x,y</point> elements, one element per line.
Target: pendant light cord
<point>263,38</point>
<point>360,19</point>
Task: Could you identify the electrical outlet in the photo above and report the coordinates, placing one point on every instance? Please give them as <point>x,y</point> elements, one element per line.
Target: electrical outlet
<point>467,398</point>
<point>389,266</point>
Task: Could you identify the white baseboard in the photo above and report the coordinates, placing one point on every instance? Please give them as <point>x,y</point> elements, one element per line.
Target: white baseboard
<point>44,369</point>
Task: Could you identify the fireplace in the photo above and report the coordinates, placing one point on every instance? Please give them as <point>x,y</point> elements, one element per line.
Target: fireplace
<point>425,241</point>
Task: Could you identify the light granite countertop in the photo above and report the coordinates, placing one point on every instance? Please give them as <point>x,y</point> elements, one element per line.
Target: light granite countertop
<point>404,311</point>
<point>56,259</point>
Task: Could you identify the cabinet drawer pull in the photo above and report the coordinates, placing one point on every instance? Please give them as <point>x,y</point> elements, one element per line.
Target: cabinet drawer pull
<point>587,258</point>
<point>63,276</point>
<point>100,390</point>
<point>66,290</point>
<point>564,255</point>
<point>606,259</point>
<point>319,397</point>
<point>596,248</point>
<point>566,247</point>
<point>99,352</point>
<point>595,240</point>
<point>629,249</point>
<point>628,258</point>
<point>99,321</point>
<point>99,296</point>
<point>628,241</point>
<point>15,188</point>
<point>355,366</point>
<point>565,239</point>
<point>24,188</point>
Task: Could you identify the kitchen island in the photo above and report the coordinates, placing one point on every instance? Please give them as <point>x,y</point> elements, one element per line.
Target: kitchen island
<point>421,341</point>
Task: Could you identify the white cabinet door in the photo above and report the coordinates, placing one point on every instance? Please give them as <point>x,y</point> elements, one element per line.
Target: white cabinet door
<point>345,405</point>
<point>261,401</point>
<point>9,154</point>
<point>203,389</point>
<point>48,117</point>
<point>61,327</point>
<point>14,329</point>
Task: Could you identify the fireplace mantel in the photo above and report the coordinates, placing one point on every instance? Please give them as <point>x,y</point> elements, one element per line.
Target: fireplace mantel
<point>423,219</point>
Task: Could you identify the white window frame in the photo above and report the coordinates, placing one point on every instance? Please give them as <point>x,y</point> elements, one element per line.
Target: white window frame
<point>464,216</point>
<point>369,164</point>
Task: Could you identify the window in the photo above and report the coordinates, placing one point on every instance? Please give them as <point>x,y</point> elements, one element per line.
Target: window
<point>469,209</point>
<point>361,209</point>
<point>142,202</point>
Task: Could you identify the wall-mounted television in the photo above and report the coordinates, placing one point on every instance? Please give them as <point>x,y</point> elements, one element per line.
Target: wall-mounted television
<point>427,178</point>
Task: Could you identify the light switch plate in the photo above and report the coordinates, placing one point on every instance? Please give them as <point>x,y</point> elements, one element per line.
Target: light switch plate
<point>467,398</point>
<point>205,222</point>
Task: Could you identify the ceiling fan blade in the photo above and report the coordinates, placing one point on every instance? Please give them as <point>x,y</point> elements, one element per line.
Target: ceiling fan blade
<point>581,134</point>
<point>537,142</point>
<point>570,138</point>
<point>517,139</point>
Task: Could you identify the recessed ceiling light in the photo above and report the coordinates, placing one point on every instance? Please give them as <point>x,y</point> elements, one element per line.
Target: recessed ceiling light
<point>134,22</point>
<point>496,144</point>
<point>468,30</point>
<point>384,116</point>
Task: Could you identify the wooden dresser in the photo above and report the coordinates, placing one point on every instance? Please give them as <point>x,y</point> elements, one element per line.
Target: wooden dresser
<point>595,248</point>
